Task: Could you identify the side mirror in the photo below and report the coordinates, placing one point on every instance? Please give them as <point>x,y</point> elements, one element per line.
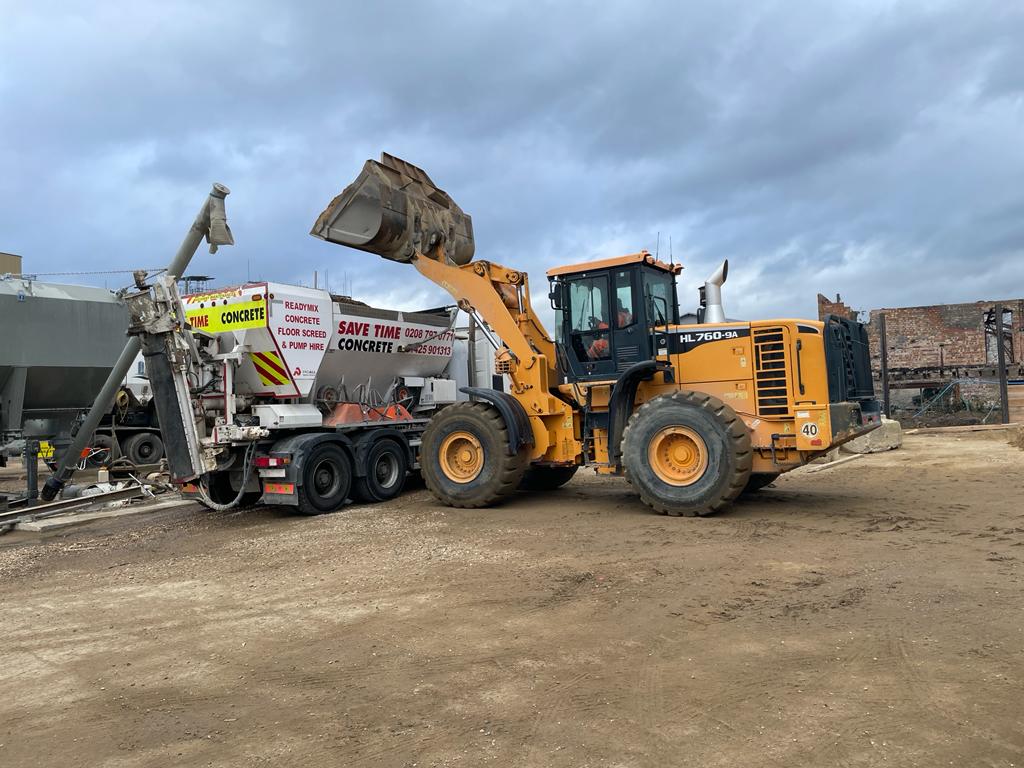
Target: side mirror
<point>555,295</point>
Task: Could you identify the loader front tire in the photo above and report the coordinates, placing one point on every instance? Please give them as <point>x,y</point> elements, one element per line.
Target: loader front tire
<point>687,453</point>
<point>144,448</point>
<point>464,457</point>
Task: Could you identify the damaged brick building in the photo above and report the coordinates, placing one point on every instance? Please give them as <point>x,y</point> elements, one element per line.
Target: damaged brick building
<point>931,347</point>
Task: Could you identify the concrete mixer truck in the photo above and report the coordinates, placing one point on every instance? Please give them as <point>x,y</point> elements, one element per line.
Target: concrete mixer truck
<point>289,395</point>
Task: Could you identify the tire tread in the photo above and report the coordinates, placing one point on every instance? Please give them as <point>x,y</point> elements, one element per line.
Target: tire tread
<point>510,472</point>
<point>739,443</point>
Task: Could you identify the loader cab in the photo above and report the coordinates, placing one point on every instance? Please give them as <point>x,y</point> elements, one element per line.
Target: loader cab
<point>608,311</point>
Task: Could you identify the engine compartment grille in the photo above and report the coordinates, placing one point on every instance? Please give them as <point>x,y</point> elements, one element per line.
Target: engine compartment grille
<point>771,366</point>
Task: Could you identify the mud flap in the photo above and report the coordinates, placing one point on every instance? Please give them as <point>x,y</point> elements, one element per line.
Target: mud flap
<point>173,419</point>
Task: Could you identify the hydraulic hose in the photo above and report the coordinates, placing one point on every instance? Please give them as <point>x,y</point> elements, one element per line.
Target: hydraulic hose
<point>204,494</point>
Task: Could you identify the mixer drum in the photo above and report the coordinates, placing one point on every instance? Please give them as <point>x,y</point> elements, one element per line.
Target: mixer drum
<point>394,210</point>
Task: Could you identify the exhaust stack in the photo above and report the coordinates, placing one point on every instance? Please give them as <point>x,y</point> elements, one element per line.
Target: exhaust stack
<point>394,210</point>
<point>711,295</point>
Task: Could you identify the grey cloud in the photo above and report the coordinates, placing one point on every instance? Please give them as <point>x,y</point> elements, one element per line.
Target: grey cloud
<point>867,148</point>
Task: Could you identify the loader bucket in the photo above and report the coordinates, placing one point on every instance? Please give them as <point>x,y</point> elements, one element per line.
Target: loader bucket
<point>394,210</point>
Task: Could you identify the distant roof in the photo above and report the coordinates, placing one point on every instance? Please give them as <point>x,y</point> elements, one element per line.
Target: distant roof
<point>13,286</point>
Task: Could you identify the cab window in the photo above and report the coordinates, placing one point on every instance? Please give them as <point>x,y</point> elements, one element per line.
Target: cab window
<point>624,315</point>
<point>591,316</point>
<point>659,290</point>
<point>589,301</point>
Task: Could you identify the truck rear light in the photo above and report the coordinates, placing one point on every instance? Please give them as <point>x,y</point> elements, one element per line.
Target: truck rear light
<point>263,462</point>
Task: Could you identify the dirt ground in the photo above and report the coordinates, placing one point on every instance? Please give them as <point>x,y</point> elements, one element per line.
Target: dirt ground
<point>870,614</point>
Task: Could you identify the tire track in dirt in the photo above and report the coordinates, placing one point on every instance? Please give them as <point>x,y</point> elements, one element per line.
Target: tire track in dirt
<point>553,700</point>
<point>647,701</point>
<point>923,689</point>
<point>487,614</point>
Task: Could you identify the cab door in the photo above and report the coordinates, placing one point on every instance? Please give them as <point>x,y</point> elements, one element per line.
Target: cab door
<point>631,342</point>
<point>589,327</point>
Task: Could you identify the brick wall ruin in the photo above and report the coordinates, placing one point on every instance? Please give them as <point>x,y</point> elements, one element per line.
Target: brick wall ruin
<point>828,307</point>
<point>914,334</point>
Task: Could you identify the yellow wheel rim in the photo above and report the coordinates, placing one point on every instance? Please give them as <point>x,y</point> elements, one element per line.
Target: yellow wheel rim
<point>678,456</point>
<point>462,457</point>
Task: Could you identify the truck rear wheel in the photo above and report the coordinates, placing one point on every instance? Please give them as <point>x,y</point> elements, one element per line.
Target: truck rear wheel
<point>326,480</point>
<point>540,478</point>
<point>687,453</point>
<point>386,467</point>
<point>144,448</point>
<point>465,458</point>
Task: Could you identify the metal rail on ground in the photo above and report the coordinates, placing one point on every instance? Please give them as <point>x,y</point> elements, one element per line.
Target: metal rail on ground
<point>12,517</point>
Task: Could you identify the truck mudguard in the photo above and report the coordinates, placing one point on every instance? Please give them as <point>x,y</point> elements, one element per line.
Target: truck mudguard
<point>365,441</point>
<point>299,446</point>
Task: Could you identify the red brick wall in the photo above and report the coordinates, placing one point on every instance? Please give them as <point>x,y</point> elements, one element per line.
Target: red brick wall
<point>914,333</point>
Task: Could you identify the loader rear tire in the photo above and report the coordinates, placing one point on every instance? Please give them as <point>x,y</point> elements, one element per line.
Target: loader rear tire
<point>687,453</point>
<point>759,480</point>
<point>546,478</point>
<point>464,457</point>
<point>102,452</point>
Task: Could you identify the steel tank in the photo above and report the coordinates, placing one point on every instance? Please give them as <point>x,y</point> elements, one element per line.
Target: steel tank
<point>57,345</point>
<point>421,346</point>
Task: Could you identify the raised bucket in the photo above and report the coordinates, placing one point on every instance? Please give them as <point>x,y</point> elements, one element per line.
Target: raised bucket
<point>394,210</point>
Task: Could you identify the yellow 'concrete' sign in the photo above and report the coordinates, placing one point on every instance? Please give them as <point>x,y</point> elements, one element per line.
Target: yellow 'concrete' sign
<point>229,317</point>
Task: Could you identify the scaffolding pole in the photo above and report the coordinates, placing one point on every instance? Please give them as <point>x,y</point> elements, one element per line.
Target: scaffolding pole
<point>884,346</point>
<point>1004,399</point>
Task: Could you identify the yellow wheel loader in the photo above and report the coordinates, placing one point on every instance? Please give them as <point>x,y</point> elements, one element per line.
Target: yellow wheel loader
<point>693,415</point>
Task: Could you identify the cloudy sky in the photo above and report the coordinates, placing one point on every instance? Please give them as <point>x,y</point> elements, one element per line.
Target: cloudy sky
<point>870,148</point>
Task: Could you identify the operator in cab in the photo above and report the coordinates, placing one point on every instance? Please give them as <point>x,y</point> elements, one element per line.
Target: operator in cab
<point>599,347</point>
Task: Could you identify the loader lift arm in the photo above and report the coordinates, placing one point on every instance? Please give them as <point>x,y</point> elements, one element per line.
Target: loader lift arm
<point>501,297</point>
